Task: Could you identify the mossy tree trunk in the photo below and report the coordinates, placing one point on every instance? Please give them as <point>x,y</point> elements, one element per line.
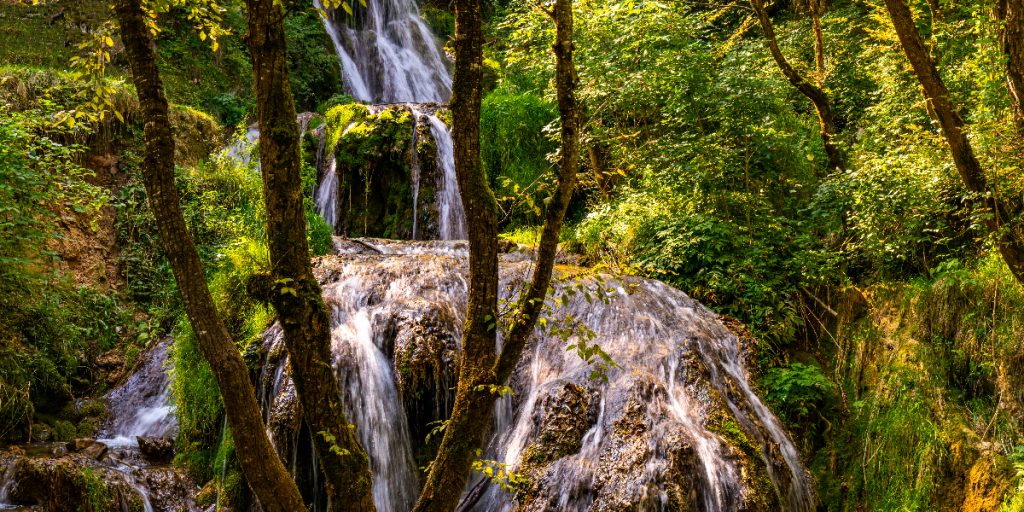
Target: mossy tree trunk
<point>1001,213</point>
<point>481,368</point>
<point>813,91</point>
<point>295,294</point>
<point>264,471</point>
<point>530,303</point>
<point>1011,14</point>
<point>471,411</point>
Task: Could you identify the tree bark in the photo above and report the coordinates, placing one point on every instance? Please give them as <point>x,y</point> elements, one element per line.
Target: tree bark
<point>264,471</point>
<point>819,42</point>
<point>820,100</point>
<point>598,153</point>
<point>530,304</point>
<point>296,295</point>
<point>1012,14</point>
<point>1001,212</point>
<point>473,407</point>
<point>480,367</point>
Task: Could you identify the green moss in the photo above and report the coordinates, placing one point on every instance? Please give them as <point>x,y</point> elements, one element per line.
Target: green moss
<point>373,155</point>
<point>97,496</point>
<point>88,427</point>
<point>63,431</point>
<point>195,393</point>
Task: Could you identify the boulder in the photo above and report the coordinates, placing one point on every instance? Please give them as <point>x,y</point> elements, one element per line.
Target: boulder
<point>88,447</point>
<point>156,449</point>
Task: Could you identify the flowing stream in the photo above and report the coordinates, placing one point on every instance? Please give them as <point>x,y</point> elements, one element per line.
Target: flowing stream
<point>142,405</point>
<point>451,216</point>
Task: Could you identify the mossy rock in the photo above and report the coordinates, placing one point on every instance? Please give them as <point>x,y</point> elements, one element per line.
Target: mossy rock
<point>380,155</point>
<point>71,484</point>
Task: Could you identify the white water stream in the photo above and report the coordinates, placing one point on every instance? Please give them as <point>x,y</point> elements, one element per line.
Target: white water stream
<point>388,54</point>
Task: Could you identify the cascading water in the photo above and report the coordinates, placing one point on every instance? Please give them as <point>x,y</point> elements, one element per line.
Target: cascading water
<point>388,53</point>
<point>142,405</point>
<point>644,439</point>
<point>5,487</point>
<point>449,203</point>
<point>326,193</point>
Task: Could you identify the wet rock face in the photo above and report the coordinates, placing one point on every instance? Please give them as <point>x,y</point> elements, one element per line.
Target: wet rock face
<point>424,358</point>
<point>674,426</point>
<point>562,418</point>
<point>156,449</point>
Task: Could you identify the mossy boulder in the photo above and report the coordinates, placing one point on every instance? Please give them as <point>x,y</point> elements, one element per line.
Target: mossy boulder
<point>70,484</point>
<point>386,164</point>
<point>75,481</point>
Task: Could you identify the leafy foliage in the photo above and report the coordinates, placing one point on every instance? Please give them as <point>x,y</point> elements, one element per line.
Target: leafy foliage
<point>797,389</point>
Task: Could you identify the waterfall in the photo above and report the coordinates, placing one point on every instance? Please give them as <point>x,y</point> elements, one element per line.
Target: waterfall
<point>5,487</point>
<point>388,54</point>
<point>415,171</point>
<point>327,194</point>
<point>644,437</point>
<point>142,405</point>
<point>449,203</point>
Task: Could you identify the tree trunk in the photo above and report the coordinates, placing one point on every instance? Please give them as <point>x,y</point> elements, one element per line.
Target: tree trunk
<point>471,413</point>
<point>264,471</point>
<point>530,304</point>
<point>819,42</point>
<point>598,153</point>
<point>296,295</point>
<point>822,104</point>
<point>480,367</point>
<point>1001,211</point>
<point>1013,47</point>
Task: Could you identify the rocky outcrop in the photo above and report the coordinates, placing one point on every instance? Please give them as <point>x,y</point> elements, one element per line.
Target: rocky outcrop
<point>385,171</point>
<point>156,449</point>
<point>92,477</point>
<point>670,423</point>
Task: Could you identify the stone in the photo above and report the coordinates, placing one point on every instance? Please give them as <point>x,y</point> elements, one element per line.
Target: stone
<point>80,444</point>
<point>156,449</point>
<point>88,447</point>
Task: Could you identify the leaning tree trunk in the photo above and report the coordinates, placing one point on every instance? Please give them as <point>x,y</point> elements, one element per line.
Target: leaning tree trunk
<point>481,369</point>
<point>295,294</point>
<point>1001,213</point>
<point>817,95</point>
<point>264,471</point>
<point>530,303</point>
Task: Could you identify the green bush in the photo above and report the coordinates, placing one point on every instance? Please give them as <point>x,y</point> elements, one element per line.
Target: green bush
<point>514,148</point>
<point>796,390</point>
